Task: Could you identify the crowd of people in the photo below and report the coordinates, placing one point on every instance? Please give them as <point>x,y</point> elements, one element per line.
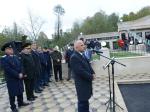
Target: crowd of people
<point>34,66</point>
<point>31,68</point>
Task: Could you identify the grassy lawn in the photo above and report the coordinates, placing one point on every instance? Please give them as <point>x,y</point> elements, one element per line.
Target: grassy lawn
<point>117,55</point>
<point>123,54</point>
<point>95,57</point>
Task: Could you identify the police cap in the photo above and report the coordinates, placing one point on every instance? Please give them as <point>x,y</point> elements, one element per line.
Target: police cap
<point>6,45</point>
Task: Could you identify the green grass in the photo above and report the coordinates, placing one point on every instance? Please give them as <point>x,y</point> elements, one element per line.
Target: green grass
<point>123,54</point>
<point>95,57</point>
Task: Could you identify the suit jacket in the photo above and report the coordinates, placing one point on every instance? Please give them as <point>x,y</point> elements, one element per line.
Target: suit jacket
<point>55,56</point>
<point>37,62</point>
<point>28,65</point>
<point>12,68</point>
<point>69,52</point>
<point>83,76</point>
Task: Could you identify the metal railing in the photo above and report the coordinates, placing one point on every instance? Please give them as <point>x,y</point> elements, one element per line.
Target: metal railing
<point>130,51</point>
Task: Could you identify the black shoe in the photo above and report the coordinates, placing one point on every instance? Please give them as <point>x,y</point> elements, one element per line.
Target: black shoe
<point>42,87</point>
<point>15,110</point>
<point>46,84</point>
<point>35,97</point>
<point>37,91</point>
<point>56,80</point>
<point>68,79</point>
<point>40,90</point>
<point>31,99</point>
<point>61,79</point>
<point>23,104</point>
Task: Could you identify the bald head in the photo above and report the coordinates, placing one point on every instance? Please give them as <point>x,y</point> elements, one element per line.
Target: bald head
<point>79,46</point>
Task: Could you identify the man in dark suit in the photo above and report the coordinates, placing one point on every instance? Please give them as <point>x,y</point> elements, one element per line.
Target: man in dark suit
<point>14,76</point>
<point>57,58</point>
<point>83,76</point>
<point>37,68</point>
<point>28,71</point>
<point>68,54</point>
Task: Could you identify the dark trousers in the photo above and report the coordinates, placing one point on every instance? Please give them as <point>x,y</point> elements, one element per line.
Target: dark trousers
<point>29,87</point>
<point>12,101</point>
<point>37,81</point>
<point>44,77</point>
<point>69,73</point>
<point>58,69</point>
<point>83,106</point>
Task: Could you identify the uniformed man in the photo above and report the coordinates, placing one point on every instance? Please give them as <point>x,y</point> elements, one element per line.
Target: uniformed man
<point>28,71</point>
<point>37,68</point>
<point>43,61</point>
<point>57,58</point>
<point>68,54</point>
<point>14,76</point>
<point>49,64</point>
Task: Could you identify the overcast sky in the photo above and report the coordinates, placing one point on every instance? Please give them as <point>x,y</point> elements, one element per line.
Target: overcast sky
<point>75,10</point>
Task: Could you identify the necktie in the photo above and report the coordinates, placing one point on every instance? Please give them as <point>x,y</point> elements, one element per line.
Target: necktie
<point>83,55</point>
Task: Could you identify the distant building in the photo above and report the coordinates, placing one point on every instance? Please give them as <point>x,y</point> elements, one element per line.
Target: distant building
<point>138,29</point>
<point>109,37</point>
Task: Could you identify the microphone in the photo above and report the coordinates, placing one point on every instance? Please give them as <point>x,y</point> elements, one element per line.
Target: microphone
<point>97,51</point>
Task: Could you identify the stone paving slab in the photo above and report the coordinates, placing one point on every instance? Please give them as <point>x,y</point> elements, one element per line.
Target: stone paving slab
<point>61,96</point>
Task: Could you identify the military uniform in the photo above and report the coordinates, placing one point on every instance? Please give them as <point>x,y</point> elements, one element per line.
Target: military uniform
<point>38,70</point>
<point>48,66</point>
<point>44,69</point>
<point>12,69</point>
<point>27,68</point>
<point>69,52</point>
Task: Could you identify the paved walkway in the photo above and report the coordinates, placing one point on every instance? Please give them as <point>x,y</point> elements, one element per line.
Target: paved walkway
<point>61,96</point>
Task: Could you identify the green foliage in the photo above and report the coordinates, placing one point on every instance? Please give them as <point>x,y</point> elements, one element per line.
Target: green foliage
<point>95,57</point>
<point>133,16</point>
<point>64,40</point>
<point>100,23</point>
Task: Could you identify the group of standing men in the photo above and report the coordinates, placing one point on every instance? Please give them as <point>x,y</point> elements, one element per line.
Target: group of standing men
<point>33,65</point>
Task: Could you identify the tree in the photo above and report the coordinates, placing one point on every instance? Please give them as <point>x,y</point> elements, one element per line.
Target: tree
<point>33,26</point>
<point>133,16</point>
<point>143,12</point>
<point>14,33</point>
<point>112,22</point>
<point>43,40</point>
<point>59,11</point>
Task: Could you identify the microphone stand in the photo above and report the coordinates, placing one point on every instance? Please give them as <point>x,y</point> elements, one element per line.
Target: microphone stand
<point>111,101</point>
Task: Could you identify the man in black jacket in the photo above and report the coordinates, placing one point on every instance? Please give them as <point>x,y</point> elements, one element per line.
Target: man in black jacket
<point>28,71</point>
<point>57,57</point>
<point>83,76</point>
<point>68,54</point>
<point>37,67</point>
